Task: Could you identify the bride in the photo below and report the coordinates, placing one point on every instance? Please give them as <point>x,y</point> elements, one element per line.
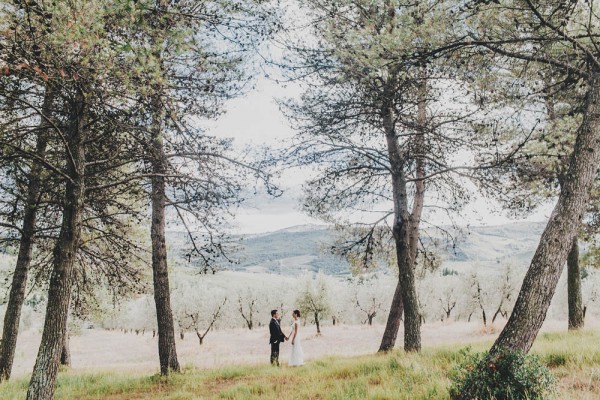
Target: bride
<point>297,356</point>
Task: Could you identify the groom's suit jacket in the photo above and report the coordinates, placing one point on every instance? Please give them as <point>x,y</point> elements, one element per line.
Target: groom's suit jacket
<point>277,335</point>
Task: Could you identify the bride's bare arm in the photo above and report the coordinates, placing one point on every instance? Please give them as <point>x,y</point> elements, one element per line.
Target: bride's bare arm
<point>295,331</point>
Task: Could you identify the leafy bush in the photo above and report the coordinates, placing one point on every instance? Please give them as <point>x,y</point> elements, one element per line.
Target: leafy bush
<point>510,375</point>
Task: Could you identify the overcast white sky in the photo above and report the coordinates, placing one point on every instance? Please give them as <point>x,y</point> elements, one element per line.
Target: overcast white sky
<point>255,119</point>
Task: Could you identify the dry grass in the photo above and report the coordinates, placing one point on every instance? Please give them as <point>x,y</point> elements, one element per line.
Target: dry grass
<point>573,357</point>
<point>98,350</point>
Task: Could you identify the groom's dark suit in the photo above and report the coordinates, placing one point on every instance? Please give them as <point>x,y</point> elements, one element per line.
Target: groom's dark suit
<point>277,337</point>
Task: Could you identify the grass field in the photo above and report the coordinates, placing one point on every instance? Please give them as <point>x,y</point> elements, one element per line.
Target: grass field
<point>574,358</point>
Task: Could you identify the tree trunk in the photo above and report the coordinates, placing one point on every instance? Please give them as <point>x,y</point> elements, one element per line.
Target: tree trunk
<point>43,378</point>
<point>200,338</point>
<point>412,316</point>
<point>406,224</point>
<point>412,319</point>
<point>167,353</point>
<point>498,312</point>
<point>576,320</point>
<point>65,355</point>
<point>317,323</point>
<point>19,281</point>
<point>556,242</point>
<point>393,322</point>
<point>576,317</point>
<point>166,330</point>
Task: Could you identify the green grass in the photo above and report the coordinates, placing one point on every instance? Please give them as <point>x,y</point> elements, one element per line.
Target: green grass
<point>573,357</point>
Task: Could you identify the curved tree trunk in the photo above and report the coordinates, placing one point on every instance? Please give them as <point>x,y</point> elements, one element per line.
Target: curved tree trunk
<point>19,280</point>
<point>576,320</point>
<point>43,378</point>
<point>556,241</point>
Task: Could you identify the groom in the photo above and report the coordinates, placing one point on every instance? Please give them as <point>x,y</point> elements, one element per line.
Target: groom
<point>277,337</point>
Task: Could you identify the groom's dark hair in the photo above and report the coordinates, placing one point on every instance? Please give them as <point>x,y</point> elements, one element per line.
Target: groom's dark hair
<point>273,312</point>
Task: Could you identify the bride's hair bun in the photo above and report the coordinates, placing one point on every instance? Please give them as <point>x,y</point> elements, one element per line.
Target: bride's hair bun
<point>297,312</point>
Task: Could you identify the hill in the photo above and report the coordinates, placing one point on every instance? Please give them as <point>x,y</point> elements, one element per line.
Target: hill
<point>295,250</point>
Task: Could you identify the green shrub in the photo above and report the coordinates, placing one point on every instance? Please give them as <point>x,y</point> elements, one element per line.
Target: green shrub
<point>510,375</point>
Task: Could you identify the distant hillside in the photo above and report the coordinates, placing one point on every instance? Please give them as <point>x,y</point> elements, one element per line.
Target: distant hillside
<point>291,251</point>
<point>493,246</point>
<point>294,250</point>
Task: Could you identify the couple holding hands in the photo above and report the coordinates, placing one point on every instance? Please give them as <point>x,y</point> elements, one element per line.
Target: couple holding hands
<point>277,337</point>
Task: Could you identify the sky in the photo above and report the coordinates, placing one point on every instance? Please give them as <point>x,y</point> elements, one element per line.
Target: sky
<point>255,119</point>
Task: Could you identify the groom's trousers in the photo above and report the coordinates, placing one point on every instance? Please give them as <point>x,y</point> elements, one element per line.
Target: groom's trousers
<point>275,354</point>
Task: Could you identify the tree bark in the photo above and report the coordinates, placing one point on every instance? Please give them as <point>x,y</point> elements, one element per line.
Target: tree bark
<point>401,230</point>
<point>19,281</point>
<point>412,319</point>
<point>393,322</point>
<point>43,378</point>
<point>65,355</point>
<point>412,316</point>
<point>406,226</point>
<point>576,320</point>
<point>576,315</point>
<point>167,352</point>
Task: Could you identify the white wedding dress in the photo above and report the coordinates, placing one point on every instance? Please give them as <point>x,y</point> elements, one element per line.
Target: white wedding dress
<point>297,355</point>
